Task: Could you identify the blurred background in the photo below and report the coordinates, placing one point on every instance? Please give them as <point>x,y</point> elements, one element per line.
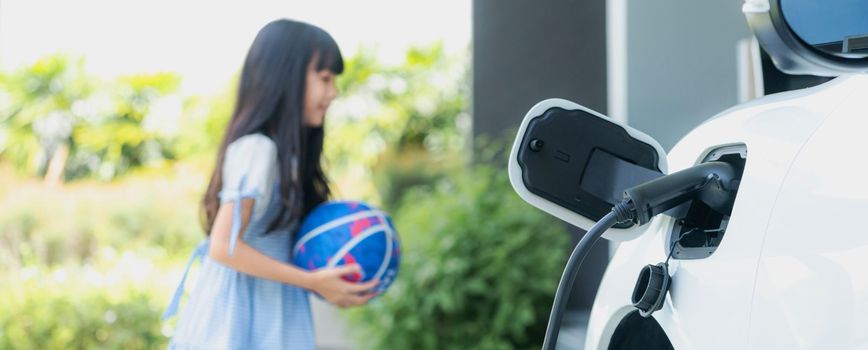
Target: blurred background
<point>111,113</point>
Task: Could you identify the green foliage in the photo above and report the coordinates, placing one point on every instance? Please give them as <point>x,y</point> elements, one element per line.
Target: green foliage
<point>203,123</point>
<point>34,108</point>
<point>111,143</point>
<point>83,308</point>
<point>397,172</point>
<point>49,227</point>
<point>388,113</point>
<point>478,270</point>
<point>91,265</point>
<point>418,103</point>
<point>54,104</point>
<point>45,318</point>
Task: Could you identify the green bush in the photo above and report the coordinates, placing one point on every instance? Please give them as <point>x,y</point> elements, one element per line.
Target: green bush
<point>55,320</point>
<point>116,306</point>
<point>397,172</point>
<point>48,227</point>
<point>479,270</point>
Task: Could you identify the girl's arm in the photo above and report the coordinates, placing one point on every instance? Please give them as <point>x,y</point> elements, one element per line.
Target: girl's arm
<point>327,282</point>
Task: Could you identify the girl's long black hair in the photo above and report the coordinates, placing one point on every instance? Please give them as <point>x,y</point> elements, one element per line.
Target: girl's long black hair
<point>270,101</point>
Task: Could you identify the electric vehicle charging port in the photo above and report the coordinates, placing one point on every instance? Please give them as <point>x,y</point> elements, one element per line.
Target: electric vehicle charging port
<point>698,229</point>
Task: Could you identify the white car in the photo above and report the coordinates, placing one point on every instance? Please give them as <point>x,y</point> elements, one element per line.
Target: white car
<point>782,261</point>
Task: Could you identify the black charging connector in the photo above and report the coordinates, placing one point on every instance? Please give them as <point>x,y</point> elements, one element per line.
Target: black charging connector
<point>713,183</point>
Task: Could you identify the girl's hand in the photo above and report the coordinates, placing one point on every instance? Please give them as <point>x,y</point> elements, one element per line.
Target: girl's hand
<point>330,285</point>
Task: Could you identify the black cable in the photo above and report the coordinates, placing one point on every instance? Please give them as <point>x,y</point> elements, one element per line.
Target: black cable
<point>672,248</point>
<point>709,182</point>
<point>692,230</point>
<point>621,212</point>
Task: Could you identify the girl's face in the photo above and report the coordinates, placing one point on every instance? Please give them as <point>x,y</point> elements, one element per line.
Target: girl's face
<point>319,92</point>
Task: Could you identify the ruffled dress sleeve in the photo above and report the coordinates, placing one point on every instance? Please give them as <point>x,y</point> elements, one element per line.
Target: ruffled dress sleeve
<point>249,172</point>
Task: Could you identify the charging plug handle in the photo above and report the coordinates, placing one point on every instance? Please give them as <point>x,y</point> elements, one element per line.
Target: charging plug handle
<point>713,183</point>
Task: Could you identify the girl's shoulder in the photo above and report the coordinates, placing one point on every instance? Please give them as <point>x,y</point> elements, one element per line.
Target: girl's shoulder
<point>253,157</point>
<point>250,167</point>
<point>251,144</point>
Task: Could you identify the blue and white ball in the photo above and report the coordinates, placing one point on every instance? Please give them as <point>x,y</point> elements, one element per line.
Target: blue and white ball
<point>347,232</point>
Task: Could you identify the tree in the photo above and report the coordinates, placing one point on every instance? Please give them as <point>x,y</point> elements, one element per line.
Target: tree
<point>399,125</point>
<point>60,123</point>
<point>37,116</point>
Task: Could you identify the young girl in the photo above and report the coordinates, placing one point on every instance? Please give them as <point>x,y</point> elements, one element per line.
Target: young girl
<point>268,176</point>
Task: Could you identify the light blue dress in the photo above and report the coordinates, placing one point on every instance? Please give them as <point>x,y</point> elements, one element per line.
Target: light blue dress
<point>228,309</point>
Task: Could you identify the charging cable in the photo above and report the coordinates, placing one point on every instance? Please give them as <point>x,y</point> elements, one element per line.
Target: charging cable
<point>620,213</point>
<point>713,183</point>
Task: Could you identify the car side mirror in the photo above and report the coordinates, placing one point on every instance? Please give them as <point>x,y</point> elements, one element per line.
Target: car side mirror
<point>575,163</point>
<point>827,38</point>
